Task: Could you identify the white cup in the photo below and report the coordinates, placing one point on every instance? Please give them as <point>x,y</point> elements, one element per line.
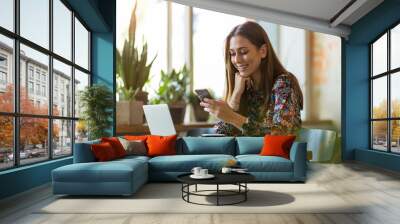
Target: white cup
<point>226,170</point>
<point>203,172</point>
<point>196,171</point>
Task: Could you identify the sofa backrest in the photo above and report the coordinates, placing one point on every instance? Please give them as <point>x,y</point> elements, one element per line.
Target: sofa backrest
<point>249,145</point>
<point>206,145</point>
<point>83,152</point>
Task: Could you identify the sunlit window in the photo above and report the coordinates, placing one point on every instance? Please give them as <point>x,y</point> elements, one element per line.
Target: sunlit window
<point>45,130</point>
<point>385,97</point>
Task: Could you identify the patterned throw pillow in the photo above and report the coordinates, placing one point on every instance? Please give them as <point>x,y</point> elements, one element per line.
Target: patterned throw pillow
<point>134,147</point>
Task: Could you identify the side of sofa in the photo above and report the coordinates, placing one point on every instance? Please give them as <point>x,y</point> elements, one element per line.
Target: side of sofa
<point>88,177</point>
<point>271,168</point>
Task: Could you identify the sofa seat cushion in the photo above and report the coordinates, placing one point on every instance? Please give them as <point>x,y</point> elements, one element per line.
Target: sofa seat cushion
<point>185,163</point>
<point>257,163</point>
<point>111,171</point>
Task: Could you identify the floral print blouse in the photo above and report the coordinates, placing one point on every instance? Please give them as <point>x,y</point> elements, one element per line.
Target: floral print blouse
<point>280,117</point>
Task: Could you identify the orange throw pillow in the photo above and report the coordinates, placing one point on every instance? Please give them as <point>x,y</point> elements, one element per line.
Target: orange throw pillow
<point>277,145</point>
<point>161,145</point>
<point>135,137</point>
<point>103,151</point>
<point>116,145</point>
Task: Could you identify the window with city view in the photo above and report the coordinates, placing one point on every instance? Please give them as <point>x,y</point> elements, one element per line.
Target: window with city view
<point>44,64</point>
<point>385,94</point>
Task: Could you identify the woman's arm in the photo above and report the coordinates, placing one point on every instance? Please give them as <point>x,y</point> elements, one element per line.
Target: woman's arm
<point>223,111</point>
<point>285,118</point>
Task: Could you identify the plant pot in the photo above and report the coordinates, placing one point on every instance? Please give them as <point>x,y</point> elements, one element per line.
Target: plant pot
<point>177,111</point>
<point>130,112</point>
<point>142,96</point>
<point>199,113</point>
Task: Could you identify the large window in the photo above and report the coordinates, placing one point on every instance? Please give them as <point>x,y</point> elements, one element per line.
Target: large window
<point>385,94</point>
<point>44,63</point>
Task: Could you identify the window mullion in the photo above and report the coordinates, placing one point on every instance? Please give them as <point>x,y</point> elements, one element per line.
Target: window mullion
<point>50,81</point>
<point>16,84</point>
<point>389,106</point>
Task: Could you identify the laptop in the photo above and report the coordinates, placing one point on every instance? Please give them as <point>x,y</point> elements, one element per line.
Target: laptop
<point>159,119</point>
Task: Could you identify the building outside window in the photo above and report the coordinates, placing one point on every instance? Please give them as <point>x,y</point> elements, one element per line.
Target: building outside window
<point>30,87</point>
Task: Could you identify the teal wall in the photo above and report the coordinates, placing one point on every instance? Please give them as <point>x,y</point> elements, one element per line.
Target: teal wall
<point>355,86</point>
<point>99,16</point>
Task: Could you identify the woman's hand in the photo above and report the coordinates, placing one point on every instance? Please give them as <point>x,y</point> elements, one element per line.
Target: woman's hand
<point>240,84</point>
<point>223,111</point>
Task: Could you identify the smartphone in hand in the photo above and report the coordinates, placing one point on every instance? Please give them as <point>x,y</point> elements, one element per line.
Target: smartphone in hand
<point>203,93</point>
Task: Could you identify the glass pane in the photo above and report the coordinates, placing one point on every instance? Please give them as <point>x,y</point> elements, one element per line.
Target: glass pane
<point>379,55</point>
<point>62,89</point>
<point>6,142</point>
<point>81,45</point>
<point>379,97</point>
<point>81,81</point>
<point>34,72</point>
<point>81,131</point>
<point>395,138</point>
<point>395,47</point>
<point>7,14</point>
<point>62,138</point>
<point>179,35</point>
<point>35,21</point>
<point>379,135</point>
<point>62,29</point>
<point>33,139</point>
<point>6,74</point>
<point>395,94</point>
<point>208,50</point>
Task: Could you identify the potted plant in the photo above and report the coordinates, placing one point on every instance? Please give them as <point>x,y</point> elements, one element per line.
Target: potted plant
<point>199,113</point>
<point>132,74</point>
<point>173,91</point>
<point>97,104</point>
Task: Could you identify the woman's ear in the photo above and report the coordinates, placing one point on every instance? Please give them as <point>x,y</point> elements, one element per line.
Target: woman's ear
<point>263,51</point>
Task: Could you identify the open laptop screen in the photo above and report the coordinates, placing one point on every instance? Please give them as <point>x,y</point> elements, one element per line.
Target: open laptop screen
<point>159,119</point>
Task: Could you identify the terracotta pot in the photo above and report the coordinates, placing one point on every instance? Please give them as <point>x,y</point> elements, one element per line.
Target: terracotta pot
<point>177,111</point>
<point>130,112</point>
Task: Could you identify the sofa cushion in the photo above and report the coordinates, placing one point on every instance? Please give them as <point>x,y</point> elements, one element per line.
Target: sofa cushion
<point>249,145</point>
<point>185,163</point>
<point>116,145</point>
<point>277,145</point>
<point>257,163</point>
<point>206,145</point>
<point>103,152</point>
<point>161,145</point>
<point>134,147</point>
<point>111,171</point>
<point>83,152</point>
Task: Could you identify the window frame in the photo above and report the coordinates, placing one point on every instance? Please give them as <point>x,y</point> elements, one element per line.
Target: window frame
<point>388,74</point>
<point>16,115</point>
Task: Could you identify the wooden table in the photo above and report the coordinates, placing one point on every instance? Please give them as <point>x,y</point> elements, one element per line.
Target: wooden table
<point>144,129</point>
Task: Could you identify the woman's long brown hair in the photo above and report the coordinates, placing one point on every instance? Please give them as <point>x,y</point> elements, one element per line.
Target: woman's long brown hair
<point>270,66</point>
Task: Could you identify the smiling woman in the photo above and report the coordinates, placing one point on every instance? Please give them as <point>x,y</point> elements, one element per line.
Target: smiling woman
<point>262,97</point>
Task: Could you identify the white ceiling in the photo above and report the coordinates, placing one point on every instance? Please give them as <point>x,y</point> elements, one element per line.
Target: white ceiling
<point>314,15</point>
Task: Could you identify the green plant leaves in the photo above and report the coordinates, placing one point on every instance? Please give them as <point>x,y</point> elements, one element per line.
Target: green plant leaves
<point>97,103</point>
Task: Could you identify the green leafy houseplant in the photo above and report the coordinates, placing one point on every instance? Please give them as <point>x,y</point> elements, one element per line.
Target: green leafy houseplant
<point>173,90</point>
<point>97,103</point>
<point>173,87</point>
<point>132,67</point>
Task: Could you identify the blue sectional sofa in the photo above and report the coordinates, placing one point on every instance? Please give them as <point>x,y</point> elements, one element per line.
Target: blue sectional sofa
<point>125,176</point>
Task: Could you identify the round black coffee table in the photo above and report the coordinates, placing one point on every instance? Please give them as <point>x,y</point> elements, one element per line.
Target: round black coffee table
<point>238,179</point>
